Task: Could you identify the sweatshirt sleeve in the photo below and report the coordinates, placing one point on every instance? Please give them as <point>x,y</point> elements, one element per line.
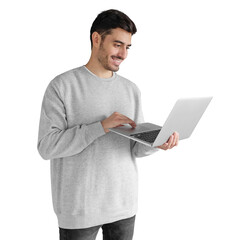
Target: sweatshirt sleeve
<point>55,139</point>
<point>139,149</point>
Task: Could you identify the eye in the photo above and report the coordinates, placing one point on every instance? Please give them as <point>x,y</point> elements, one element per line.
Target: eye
<point>117,45</point>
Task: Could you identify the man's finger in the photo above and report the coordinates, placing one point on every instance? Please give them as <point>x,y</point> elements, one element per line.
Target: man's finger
<point>164,146</point>
<point>170,142</point>
<point>176,134</point>
<point>125,120</point>
<point>174,140</point>
<point>177,139</point>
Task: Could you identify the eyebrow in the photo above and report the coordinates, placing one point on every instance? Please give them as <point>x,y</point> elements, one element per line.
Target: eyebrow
<point>117,41</point>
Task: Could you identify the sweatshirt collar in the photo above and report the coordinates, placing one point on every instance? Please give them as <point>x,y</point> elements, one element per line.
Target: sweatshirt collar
<point>101,79</point>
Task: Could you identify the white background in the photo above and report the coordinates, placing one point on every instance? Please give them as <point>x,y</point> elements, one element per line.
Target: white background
<point>182,48</point>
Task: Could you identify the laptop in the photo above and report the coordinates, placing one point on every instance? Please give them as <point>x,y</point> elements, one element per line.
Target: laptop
<point>183,119</point>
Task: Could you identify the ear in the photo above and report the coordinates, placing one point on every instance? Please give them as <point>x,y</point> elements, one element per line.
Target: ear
<point>96,39</point>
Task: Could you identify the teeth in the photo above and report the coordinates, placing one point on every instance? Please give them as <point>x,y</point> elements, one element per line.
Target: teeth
<point>116,59</point>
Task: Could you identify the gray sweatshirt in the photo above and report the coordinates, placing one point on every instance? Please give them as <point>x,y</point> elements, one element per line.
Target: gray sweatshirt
<point>93,174</point>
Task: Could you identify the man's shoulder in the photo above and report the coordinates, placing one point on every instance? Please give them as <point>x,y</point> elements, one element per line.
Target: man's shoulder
<point>67,74</point>
<point>62,80</point>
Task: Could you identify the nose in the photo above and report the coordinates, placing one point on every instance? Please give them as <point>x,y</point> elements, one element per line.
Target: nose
<point>123,53</point>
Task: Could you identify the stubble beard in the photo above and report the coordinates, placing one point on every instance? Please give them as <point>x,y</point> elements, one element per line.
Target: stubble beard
<point>103,60</point>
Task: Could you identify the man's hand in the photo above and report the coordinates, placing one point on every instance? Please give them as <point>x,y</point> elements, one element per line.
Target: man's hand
<point>116,120</point>
<point>172,142</point>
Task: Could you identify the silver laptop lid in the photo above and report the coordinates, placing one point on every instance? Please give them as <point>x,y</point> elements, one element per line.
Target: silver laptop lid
<point>183,118</point>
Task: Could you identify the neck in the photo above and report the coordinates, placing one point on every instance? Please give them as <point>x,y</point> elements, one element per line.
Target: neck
<point>95,67</point>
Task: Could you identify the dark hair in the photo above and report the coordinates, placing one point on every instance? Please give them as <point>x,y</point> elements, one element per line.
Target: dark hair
<point>111,19</point>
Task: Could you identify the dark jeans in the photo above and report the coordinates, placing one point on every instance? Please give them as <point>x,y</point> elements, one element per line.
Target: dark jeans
<point>120,230</point>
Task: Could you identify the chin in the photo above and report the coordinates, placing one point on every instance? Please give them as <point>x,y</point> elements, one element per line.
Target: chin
<point>116,69</point>
<point>113,68</point>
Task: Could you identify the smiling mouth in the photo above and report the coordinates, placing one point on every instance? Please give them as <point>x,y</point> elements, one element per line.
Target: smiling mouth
<point>117,60</point>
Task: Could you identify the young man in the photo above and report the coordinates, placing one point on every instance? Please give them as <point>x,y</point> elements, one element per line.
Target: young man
<point>93,171</point>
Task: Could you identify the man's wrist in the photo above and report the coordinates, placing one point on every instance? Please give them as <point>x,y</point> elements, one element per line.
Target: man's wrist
<point>105,129</point>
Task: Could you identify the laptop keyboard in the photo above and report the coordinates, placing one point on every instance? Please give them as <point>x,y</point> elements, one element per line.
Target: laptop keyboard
<point>147,136</point>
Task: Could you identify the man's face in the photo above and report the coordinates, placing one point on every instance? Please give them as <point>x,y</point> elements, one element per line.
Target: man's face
<point>114,49</point>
